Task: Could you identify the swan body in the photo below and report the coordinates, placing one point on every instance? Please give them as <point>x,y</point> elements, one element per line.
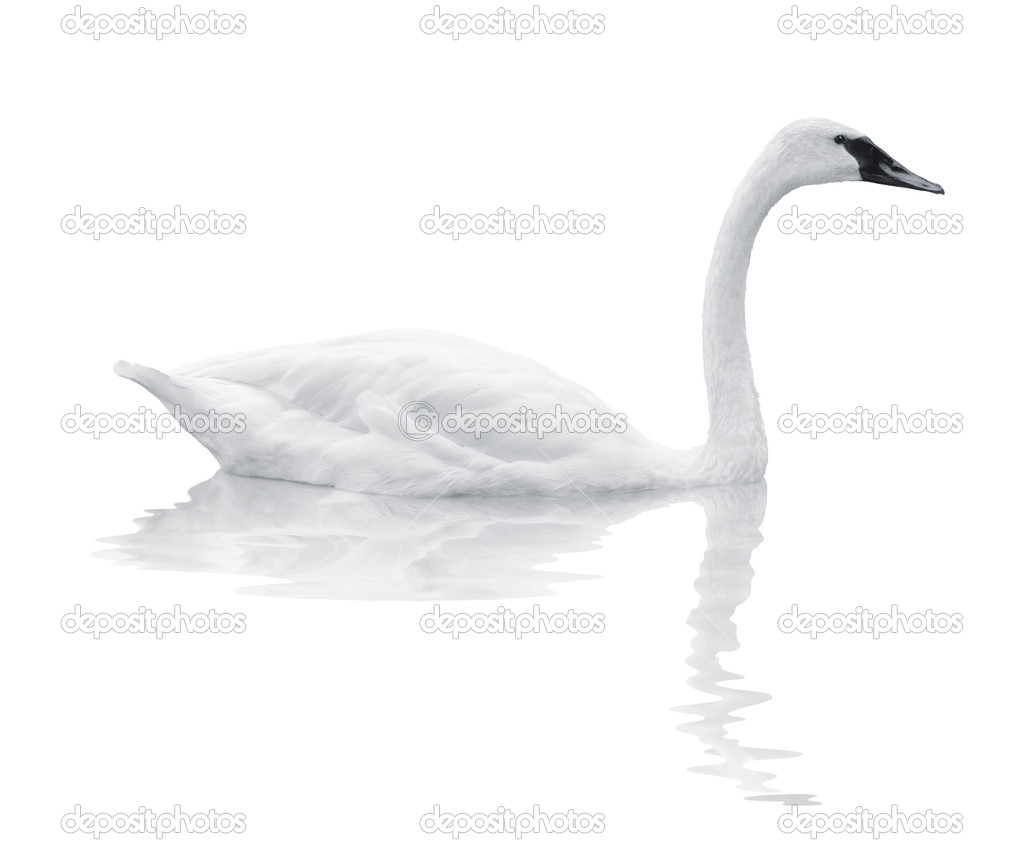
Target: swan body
<point>330,413</point>
<point>334,412</point>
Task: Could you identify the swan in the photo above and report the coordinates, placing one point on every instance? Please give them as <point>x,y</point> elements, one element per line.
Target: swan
<point>334,413</point>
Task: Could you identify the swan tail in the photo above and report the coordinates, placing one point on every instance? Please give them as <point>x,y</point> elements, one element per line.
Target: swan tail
<point>248,429</point>
<point>207,409</point>
<point>146,376</point>
<point>172,392</point>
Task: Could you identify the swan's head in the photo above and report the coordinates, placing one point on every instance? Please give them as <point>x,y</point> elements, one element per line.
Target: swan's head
<point>815,151</point>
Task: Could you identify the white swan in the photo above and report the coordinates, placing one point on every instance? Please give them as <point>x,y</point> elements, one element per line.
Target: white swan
<point>329,413</point>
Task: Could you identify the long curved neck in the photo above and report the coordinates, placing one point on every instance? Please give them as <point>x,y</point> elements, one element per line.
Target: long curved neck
<point>736,436</point>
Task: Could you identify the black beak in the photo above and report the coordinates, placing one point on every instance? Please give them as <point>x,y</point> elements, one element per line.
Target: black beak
<point>876,165</point>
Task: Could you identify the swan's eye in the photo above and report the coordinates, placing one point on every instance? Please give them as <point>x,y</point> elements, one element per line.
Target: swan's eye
<point>840,139</point>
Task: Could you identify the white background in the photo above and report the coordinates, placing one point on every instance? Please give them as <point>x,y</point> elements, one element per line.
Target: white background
<point>334,128</point>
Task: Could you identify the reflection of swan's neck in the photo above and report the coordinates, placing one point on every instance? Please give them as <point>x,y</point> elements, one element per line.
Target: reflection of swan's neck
<point>736,432</point>
<point>734,516</point>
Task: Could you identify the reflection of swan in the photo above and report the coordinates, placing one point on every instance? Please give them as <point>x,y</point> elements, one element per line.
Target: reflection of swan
<point>334,544</point>
<point>328,413</point>
<point>734,515</point>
